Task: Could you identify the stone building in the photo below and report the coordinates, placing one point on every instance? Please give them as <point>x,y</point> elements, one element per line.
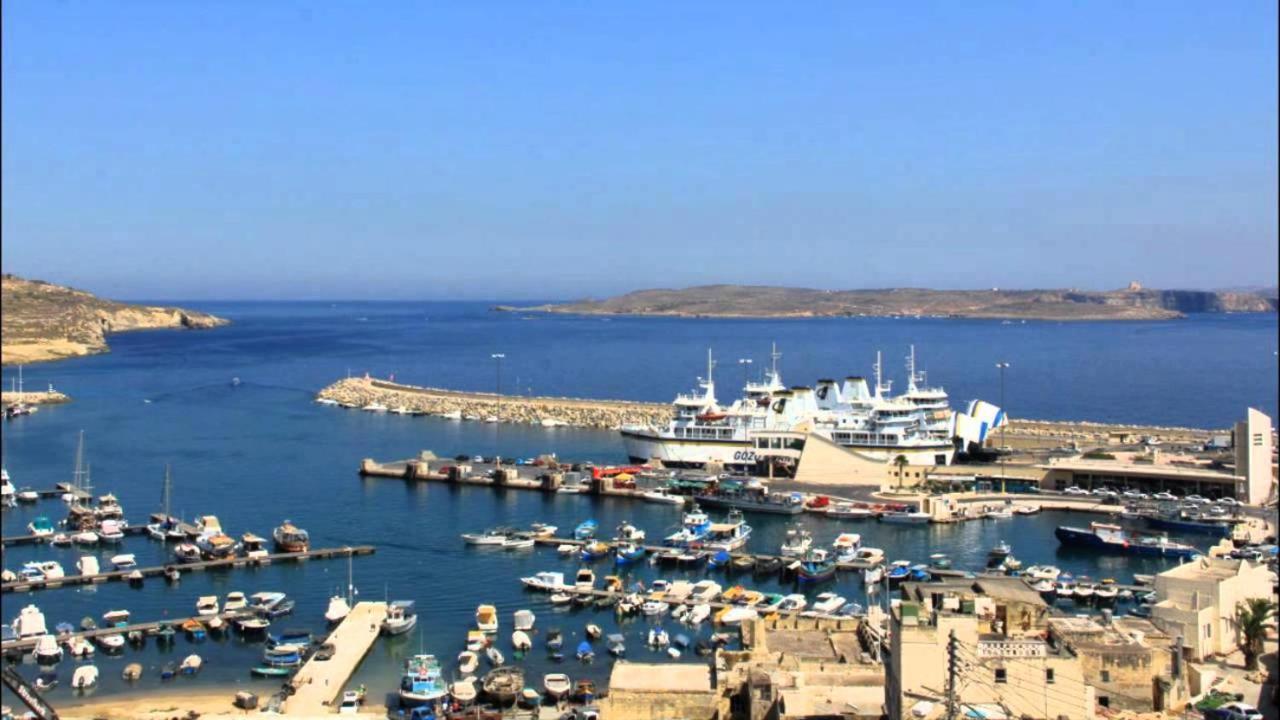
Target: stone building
<point>1131,664</point>
<point>655,691</point>
<point>991,634</point>
<point>1197,600</point>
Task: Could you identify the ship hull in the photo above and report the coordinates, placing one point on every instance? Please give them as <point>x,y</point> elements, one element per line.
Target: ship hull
<point>642,446</point>
<point>1221,530</point>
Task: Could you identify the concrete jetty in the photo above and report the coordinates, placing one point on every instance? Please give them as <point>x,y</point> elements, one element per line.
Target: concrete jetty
<point>145,627</point>
<point>319,682</point>
<point>577,412</point>
<point>118,575</point>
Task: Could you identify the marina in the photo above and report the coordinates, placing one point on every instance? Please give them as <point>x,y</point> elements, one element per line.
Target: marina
<point>421,558</point>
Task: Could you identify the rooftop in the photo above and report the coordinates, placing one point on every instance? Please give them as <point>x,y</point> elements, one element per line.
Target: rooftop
<point>1137,469</point>
<point>660,677</point>
<point>1205,569</point>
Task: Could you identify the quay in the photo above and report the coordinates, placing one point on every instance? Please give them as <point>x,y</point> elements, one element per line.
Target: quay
<point>318,682</point>
<point>235,562</point>
<point>130,529</point>
<point>846,567</point>
<point>145,627</point>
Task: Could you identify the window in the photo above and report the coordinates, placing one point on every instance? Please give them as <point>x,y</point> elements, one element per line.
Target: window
<point>1048,676</point>
<point>939,459</point>
<point>1002,675</point>
<point>1104,701</point>
<point>1106,676</point>
<point>1208,630</point>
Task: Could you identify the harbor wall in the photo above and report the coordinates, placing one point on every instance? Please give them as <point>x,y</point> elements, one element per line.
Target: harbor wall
<point>585,412</point>
<point>43,397</point>
<point>577,412</point>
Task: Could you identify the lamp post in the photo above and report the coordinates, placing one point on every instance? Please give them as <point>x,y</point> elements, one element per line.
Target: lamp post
<point>497,391</point>
<point>1002,366</point>
<point>745,363</point>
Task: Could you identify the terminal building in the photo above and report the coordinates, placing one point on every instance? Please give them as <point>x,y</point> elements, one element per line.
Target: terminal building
<point>1250,479</point>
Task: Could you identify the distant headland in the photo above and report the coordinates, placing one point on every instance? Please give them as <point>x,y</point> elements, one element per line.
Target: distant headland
<point>752,301</point>
<point>43,321</point>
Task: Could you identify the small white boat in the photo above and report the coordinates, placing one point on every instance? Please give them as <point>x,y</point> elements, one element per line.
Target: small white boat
<point>487,619</point>
<point>828,602</point>
<point>402,616</point>
<point>907,518</point>
<point>207,605</point>
<point>191,664</point>
<point>463,691</point>
<point>375,407</point>
<point>544,581</point>
<point>490,537</point>
<point>87,565</point>
<point>523,620</point>
<point>848,511</point>
<point>794,602</point>
<point>663,496</point>
<point>124,561</point>
<point>114,618</point>
<point>698,613</point>
<point>658,637</point>
<point>561,598</point>
<point>594,631</point>
<point>518,543</point>
<point>557,685</point>
<point>60,539</point>
<point>47,650</point>
<point>337,610</point>
<point>85,676</point>
<point>468,661</point>
<point>567,549</point>
<point>111,643</point>
<point>542,530</point>
<point>521,641</point>
<point>494,655</point>
<point>48,569</point>
<point>236,601</point>
<point>87,537</point>
<point>654,607</point>
<point>80,647</point>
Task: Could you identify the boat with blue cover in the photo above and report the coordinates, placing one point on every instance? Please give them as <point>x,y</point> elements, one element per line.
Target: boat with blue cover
<point>719,559</point>
<point>732,534</point>
<point>1108,538</point>
<point>593,551</point>
<point>899,571</point>
<point>585,530</point>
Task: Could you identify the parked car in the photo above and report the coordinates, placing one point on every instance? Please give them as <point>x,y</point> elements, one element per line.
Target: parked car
<point>1073,490</point>
<point>1135,495</point>
<point>1164,496</point>
<point>1233,711</point>
<point>1228,501</point>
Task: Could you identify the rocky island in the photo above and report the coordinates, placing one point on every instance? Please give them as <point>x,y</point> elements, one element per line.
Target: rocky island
<point>1132,303</point>
<point>43,321</point>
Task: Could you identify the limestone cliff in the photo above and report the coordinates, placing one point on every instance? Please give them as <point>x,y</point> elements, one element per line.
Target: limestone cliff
<point>43,321</point>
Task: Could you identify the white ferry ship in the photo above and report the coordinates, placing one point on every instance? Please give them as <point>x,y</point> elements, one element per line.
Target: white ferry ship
<point>874,424</point>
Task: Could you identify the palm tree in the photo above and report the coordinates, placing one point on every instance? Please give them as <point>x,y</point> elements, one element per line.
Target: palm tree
<point>1251,618</point>
<point>901,462</point>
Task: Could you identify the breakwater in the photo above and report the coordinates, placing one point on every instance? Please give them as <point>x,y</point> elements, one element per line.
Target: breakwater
<point>43,397</point>
<point>577,412</point>
<point>585,412</point>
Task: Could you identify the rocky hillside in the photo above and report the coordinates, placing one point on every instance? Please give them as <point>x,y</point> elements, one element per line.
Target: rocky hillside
<point>43,321</point>
<point>1134,303</point>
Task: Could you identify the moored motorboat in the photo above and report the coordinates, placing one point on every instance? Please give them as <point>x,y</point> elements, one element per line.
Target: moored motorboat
<point>402,616</point>
<point>290,538</point>
<point>422,681</point>
<point>487,619</point>
<point>556,685</point>
<point>502,685</point>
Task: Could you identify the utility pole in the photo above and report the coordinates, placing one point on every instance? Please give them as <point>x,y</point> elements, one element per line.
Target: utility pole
<point>952,663</point>
<point>497,390</point>
<point>1002,366</point>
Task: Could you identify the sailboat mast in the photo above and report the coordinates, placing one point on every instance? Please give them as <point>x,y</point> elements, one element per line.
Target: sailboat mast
<point>167,491</point>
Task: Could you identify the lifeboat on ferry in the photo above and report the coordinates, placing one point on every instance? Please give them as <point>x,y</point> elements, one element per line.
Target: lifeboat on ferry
<point>711,417</point>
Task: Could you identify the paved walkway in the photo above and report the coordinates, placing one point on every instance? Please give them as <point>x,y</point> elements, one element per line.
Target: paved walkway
<point>320,681</point>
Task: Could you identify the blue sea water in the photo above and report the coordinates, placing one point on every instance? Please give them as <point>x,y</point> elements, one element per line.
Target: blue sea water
<point>259,452</point>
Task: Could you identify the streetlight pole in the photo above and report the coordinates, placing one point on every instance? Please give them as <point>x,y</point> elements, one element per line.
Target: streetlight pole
<point>1002,366</point>
<point>497,391</point>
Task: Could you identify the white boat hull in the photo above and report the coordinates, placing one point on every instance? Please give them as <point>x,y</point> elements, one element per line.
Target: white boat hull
<point>644,445</point>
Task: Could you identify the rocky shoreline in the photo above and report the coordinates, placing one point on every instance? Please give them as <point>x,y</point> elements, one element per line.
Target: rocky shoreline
<point>44,322</point>
<point>613,414</point>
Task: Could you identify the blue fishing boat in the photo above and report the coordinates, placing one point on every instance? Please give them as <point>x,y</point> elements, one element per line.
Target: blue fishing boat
<point>585,530</point>
<point>282,656</point>
<point>920,573</point>
<point>720,559</point>
<point>585,653</point>
<point>1104,537</point>
<point>694,527</point>
<point>422,682</point>
<point>899,571</point>
<point>593,551</point>
<point>628,552</point>
<point>816,567</point>
<point>1185,522</point>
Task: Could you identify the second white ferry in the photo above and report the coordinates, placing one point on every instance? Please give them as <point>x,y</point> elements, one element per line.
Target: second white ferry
<point>875,424</point>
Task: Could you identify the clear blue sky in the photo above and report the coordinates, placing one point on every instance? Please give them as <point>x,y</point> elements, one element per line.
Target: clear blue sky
<point>557,150</point>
